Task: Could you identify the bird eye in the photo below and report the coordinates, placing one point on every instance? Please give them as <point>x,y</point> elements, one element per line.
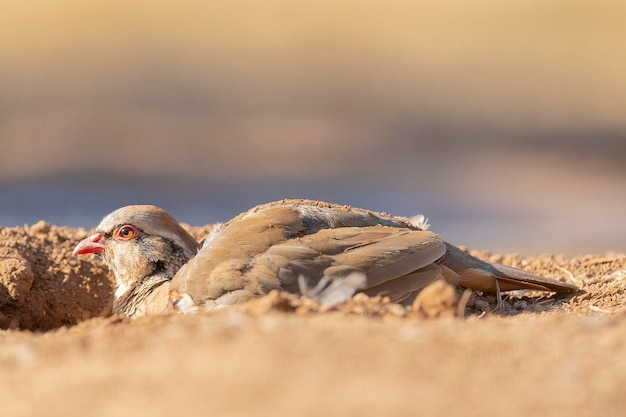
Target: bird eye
<point>126,232</point>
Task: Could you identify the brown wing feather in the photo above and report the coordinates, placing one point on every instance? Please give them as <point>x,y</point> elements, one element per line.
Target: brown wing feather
<point>400,288</point>
<point>221,265</point>
<point>382,253</point>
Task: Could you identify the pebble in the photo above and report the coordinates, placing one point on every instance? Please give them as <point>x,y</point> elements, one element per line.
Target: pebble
<point>39,228</point>
<point>482,305</point>
<point>396,310</point>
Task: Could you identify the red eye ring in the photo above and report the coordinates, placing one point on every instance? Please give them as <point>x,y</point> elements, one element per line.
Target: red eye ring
<point>126,232</point>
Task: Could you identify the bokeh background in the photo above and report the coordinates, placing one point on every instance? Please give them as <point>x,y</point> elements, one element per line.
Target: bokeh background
<point>504,122</point>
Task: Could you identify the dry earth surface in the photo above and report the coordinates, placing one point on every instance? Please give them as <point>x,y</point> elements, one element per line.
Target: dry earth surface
<point>530,354</point>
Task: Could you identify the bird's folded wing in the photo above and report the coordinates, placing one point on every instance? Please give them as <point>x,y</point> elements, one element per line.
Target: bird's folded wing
<point>382,253</point>
<point>401,288</point>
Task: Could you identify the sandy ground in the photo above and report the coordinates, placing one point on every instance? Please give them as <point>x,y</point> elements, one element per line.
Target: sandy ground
<point>529,355</point>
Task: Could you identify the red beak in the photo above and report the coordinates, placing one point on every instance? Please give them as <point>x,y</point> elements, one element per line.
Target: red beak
<point>89,245</point>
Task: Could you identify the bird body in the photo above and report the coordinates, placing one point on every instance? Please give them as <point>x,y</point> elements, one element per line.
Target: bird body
<point>313,248</point>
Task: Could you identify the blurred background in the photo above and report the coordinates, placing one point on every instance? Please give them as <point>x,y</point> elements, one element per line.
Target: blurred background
<point>503,122</point>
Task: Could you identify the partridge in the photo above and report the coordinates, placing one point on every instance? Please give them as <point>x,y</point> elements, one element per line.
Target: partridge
<point>321,250</point>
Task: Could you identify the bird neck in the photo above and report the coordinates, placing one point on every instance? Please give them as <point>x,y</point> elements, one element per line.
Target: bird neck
<point>135,297</point>
<point>148,295</point>
<point>159,259</point>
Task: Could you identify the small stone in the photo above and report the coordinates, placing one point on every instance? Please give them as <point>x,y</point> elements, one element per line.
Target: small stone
<point>481,304</point>
<point>396,310</point>
<point>39,228</point>
<point>583,297</point>
<point>439,299</point>
<point>360,297</point>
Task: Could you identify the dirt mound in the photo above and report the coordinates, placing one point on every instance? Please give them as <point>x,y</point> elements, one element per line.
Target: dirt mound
<point>42,286</point>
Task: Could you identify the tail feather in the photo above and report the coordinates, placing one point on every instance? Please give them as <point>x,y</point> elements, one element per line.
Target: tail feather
<point>511,274</point>
<point>470,272</point>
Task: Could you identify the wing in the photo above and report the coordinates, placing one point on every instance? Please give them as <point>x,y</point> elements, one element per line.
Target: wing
<point>271,247</point>
<point>382,253</point>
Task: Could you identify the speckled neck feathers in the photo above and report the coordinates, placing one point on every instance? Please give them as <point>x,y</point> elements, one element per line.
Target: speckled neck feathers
<point>134,296</point>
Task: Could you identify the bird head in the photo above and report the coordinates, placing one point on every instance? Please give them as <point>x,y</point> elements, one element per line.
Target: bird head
<point>140,242</point>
